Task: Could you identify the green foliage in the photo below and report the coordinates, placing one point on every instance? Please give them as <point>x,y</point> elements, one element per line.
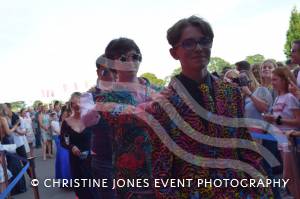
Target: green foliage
<point>176,71</point>
<point>36,102</point>
<point>217,64</point>
<point>153,79</point>
<point>255,59</point>
<point>293,32</point>
<point>17,106</point>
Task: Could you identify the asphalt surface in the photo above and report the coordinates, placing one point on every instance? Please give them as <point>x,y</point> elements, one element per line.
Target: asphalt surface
<point>45,169</point>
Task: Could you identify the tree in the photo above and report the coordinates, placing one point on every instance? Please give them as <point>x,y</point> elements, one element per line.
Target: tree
<point>17,106</point>
<point>255,59</point>
<point>36,102</point>
<point>217,64</point>
<point>293,32</point>
<point>153,79</point>
<point>175,72</point>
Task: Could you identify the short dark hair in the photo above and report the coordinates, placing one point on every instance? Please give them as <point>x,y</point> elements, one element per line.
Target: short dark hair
<point>243,65</point>
<point>174,33</point>
<point>56,102</point>
<point>120,46</point>
<point>22,109</point>
<point>225,69</point>
<point>8,105</point>
<point>64,108</point>
<point>288,62</point>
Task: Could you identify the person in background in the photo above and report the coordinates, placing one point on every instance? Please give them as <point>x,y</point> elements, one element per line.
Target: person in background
<point>77,139</point>
<point>266,69</point>
<point>230,75</point>
<point>280,64</point>
<point>65,113</point>
<point>242,66</point>
<point>258,99</point>
<point>9,174</point>
<point>13,164</point>
<point>286,116</point>
<point>101,141</point>
<point>57,108</point>
<point>50,108</point>
<point>224,70</point>
<point>255,69</point>
<point>27,122</point>
<point>62,162</point>
<point>44,124</point>
<point>291,65</point>
<point>19,134</point>
<point>295,58</point>
<point>36,124</point>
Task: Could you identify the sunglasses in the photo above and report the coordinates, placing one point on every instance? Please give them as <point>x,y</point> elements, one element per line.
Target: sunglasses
<point>135,57</point>
<point>191,43</point>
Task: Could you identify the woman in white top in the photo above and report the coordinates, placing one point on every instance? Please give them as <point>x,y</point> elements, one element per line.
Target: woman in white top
<point>18,134</point>
<point>26,123</point>
<point>286,116</point>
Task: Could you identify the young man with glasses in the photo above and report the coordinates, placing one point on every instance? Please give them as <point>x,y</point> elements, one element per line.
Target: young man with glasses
<point>181,127</point>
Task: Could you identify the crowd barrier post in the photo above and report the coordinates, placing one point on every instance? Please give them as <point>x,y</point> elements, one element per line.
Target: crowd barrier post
<point>35,189</point>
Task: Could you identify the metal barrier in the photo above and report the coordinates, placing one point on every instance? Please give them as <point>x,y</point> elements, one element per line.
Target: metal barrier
<point>270,137</point>
<point>29,164</point>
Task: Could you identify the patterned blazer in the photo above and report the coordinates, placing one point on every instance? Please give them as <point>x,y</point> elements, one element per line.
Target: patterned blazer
<point>182,140</point>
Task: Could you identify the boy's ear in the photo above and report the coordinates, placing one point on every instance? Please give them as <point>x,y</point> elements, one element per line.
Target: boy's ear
<point>173,53</point>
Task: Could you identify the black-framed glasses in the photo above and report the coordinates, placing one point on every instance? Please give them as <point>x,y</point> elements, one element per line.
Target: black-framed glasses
<point>134,56</point>
<point>191,43</point>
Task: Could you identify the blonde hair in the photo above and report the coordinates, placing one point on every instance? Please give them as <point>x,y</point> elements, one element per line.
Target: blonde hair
<point>271,61</point>
<point>75,94</point>
<point>2,112</point>
<point>256,70</point>
<point>232,73</point>
<point>254,84</point>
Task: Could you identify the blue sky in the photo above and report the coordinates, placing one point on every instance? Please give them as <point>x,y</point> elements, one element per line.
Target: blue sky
<point>51,46</point>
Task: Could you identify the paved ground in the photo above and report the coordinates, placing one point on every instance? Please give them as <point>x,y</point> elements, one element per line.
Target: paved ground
<point>44,170</point>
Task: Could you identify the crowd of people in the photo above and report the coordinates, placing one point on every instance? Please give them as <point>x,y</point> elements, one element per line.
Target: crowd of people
<point>32,128</point>
<point>127,128</point>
